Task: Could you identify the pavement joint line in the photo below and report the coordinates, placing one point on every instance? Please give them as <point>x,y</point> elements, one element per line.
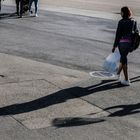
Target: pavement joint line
<point>83,116</point>
<point>82,98</point>
<point>52,84</point>
<point>20,123</point>
<point>93,104</point>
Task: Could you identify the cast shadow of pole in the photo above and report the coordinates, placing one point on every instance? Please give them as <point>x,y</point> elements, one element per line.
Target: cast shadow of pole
<point>75,121</point>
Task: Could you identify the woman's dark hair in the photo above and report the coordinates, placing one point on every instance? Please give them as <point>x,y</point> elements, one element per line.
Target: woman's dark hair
<point>126,12</point>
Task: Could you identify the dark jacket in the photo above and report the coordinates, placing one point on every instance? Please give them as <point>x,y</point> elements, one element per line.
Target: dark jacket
<point>124,29</point>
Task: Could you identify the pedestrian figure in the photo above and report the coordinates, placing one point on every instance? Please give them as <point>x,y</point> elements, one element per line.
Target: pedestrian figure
<point>123,41</point>
<point>0,4</point>
<point>19,7</point>
<point>36,6</point>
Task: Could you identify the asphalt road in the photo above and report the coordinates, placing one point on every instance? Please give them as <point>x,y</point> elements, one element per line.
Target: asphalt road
<point>110,6</point>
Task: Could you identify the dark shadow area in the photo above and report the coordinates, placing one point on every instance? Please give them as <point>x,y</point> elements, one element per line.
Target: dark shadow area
<point>124,110</point>
<point>59,97</point>
<point>77,121</point>
<point>8,15</point>
<point>2,75</point>
<point>135,79</point>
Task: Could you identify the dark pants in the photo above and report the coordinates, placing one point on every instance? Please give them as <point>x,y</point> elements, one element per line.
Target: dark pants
<point>36,5</point>
<point>19,6</point>
<point>124,50</point>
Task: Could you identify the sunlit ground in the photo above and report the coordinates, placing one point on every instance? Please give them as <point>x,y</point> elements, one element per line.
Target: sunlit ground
<point>111,6</point>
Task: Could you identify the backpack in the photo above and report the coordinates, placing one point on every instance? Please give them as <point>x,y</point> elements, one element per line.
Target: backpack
<point>135,38</point>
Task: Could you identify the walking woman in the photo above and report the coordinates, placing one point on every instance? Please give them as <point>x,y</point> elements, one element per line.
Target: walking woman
<point>123,41</point>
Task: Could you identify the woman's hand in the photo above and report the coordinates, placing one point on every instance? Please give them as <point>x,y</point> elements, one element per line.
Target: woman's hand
<point>113,50</point>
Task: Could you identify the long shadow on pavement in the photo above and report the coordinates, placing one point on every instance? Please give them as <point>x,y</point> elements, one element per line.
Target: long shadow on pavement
<point>7,15</point>
<point>59,97</point>
<point>75,121</point>
<point>124,110</point>
<point>56,98</point>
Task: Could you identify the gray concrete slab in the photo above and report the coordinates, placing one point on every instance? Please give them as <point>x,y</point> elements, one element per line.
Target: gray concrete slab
<point>10,129</point>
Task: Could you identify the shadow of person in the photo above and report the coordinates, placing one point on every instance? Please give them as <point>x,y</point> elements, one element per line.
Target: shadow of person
<point>58,97</point>
<point>124,110</point>
<point>75,121</point>
<point>7,15</point>
<point>135,79</point>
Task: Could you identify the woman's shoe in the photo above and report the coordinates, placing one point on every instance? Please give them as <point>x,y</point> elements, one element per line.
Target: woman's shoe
<point>36,15</point>
<point>126,82</point>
